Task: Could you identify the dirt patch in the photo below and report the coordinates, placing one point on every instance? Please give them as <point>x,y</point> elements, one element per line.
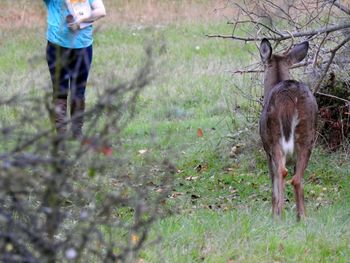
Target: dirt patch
<point>26,14</point>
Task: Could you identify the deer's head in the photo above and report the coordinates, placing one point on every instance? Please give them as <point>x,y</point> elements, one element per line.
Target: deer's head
<point>277,66</point>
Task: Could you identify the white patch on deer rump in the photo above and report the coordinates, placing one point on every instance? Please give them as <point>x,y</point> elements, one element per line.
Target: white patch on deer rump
<point>288,145</point>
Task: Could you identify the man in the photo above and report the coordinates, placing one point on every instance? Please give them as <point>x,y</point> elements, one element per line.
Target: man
<point>69,56</point>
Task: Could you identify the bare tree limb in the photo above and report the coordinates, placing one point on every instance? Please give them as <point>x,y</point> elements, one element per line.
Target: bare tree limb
<point>340,6</point>
<point>332,96</point>
<point>318,50</point>
<point>249,70</point>
<point>333,52</point>
<point>258,24</point>
<point>286,36</point>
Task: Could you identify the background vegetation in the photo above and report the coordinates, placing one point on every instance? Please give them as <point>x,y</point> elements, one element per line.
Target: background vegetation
<point>191,123</point>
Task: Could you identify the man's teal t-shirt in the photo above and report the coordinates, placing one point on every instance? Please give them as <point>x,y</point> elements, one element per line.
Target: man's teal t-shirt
<point>57,28</point>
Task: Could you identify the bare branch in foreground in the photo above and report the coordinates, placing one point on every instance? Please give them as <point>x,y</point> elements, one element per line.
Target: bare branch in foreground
<point>62,198</point>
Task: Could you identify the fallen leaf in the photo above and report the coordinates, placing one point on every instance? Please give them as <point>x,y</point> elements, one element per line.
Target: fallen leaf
<point>233,190</point>
<point>115,183</point>
<point>199,132</point>
<point>175,194</point>
<point>134,239</point>
<point>143,151</point>
<point>191,178</point>
<point>86,141</point>
<point>107,151</point>
<point>201,167</point>
<point>160,190</point>
<point>93,144</point>
<point>236,149</point>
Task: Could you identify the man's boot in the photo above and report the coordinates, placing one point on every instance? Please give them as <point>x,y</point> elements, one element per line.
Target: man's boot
<point>60,115</point>
<point>77,114</point>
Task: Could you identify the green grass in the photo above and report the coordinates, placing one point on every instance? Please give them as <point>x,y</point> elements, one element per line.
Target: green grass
<point>219,227</point>
<point>221,212</point>
<point>248,234</point>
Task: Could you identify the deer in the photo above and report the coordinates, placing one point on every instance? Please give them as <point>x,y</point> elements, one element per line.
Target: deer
<point>287,124</point>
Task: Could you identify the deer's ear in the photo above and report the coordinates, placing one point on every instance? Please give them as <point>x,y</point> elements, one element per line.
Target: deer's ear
<point>265,50</point>
<point>298,52</point>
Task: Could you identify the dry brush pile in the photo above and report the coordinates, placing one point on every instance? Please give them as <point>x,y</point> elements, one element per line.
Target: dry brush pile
<point>326,25</point>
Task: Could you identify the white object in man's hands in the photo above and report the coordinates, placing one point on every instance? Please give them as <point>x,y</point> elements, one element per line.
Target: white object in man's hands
<point>79,9</point>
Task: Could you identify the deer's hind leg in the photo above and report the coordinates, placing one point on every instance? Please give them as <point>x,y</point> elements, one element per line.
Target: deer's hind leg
<point>278,173</point>
<point>297,181</point>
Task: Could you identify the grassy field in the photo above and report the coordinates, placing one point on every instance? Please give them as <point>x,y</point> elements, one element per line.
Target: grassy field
<point>220,205</point>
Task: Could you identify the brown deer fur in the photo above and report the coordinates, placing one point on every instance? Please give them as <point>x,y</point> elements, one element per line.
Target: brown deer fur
<point>287,123</point>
